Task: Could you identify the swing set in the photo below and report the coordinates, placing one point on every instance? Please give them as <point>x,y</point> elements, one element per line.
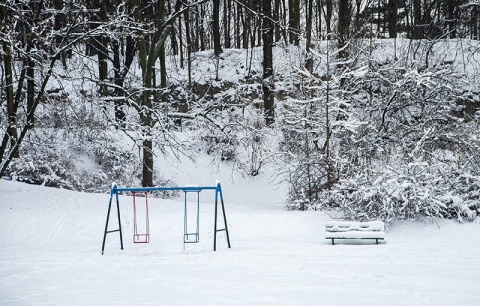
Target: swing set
<point>144,237</point>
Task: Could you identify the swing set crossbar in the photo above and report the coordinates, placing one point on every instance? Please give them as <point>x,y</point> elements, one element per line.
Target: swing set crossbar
<point>180,188</point>
<point>115,191</point>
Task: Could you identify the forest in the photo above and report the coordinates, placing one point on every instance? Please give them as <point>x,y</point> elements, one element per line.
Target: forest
<point>366,107</point>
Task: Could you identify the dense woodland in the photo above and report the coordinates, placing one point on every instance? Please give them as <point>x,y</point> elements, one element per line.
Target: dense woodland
<point>366,107</point>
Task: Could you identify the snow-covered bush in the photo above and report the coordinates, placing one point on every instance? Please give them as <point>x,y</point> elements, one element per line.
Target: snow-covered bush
<point>414,195</point>
<point>398,146</point>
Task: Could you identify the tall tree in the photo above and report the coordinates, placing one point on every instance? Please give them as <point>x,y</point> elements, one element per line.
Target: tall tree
<point>11,131</point>
<point>150,38</point>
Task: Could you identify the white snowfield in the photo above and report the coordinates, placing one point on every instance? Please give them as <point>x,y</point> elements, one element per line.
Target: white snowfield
<point>50,254</point>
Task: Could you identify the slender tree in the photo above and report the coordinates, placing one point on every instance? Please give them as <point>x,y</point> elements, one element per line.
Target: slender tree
<point>216,28</point>
<point>267,86</point>
<point>308,44</point>
<point>227,15</point>
<point>328,18</point>
<point>294,21</point>
<point>392,18</point>
<point>344,18</point>
<point>151,46</point>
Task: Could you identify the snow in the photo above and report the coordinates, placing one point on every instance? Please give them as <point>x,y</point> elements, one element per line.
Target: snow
<point>51,252</point>
<point>342,226</point>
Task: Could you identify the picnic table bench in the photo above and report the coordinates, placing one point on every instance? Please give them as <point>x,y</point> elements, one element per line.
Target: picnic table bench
<point>354,230</point>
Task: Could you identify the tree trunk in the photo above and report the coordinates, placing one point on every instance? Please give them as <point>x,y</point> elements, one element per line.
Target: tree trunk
<point>151,47</point>
<point>344,17</point>
<point>318,16</point>
<point>358,25</point>
<point>30,88</point>
<point>163,74</point>
<point>227,14</point>
<point>392,18</point>
<point>11,133</point>
<point>294,21</point>
<point>216,28</point>
<point>276,19</point>
<point>308,44</point>
<point>189,46</point>
<point>246,28</point>
<point>475,22</point>
<point>201,30</point>
<point>417,32</point>
<point>452,20</point>
<point>102,48</point>
<point>268,84</point>
<point>329,18</point>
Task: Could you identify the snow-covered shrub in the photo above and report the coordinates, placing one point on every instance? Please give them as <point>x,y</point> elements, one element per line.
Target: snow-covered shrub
<point>398,149</point>
<point>410,196</point>
<point>49,170</point>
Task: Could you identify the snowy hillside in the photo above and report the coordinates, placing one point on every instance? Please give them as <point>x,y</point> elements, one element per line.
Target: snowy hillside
<point>51,253</point>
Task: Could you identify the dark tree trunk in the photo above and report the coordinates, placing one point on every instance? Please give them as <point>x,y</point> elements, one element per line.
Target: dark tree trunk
<point>227,14</point>
<point>452,19</point>
<point>358,25</point>
<point>120,72</point>
<point>202,30</point>
<point>103,64</point>
<point>329,18</point>
<point>189,46</point>
<point>267,86</point>
<point>318,16</point>
<point>216,28</point>
<point>11,133</point>
<point>417,32</point>
<point>30,88</point>
<point>379,19</point>
<point>238,37</point>
<point>276,19</point>
<point>308,44</point>
<point>475,22</point>
<point>344,17</point>
<point>294,21</point>
<point>59,18</point>
<point>163,74</point>
<point>182,57</point>
<point>246,28</point>
<point>392,18</point>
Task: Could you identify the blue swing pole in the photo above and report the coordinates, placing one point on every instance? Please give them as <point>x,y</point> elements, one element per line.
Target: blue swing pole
<point>218,191</point>
<point>112,192</point>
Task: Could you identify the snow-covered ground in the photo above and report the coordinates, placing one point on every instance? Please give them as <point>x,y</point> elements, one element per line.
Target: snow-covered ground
<point>50,253</point>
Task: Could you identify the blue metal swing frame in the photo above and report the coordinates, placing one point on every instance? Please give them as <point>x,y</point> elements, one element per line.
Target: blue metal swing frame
<point>115,190</point>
